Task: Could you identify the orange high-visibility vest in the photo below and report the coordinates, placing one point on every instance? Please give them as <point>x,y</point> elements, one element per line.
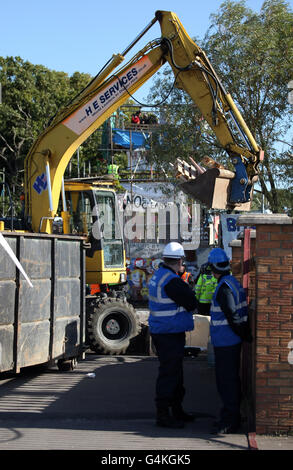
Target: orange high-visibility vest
<point>185,277</point>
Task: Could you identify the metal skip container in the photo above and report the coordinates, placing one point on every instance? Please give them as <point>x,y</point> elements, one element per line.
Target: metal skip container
<point>45,322</point>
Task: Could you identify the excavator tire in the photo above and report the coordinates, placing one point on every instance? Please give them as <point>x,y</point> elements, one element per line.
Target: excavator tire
<point>112,322</point>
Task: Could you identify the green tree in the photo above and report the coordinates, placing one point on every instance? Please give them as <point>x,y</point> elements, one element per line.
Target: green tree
<point>253,56</point>
<point>31,95</point>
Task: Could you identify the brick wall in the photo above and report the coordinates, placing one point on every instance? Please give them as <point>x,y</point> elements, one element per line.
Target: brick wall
<point>271,295</point>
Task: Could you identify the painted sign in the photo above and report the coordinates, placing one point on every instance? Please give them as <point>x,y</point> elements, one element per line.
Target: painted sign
<point>87,114</point>
<point>230,230</point>
<point>40,183</point>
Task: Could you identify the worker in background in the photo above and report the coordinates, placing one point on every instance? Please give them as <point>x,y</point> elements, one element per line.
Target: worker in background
<point>205,286</point>
<point>136,118</point>
<point>229,327</point>
<point>171,304</point>
<point>113,170</point>
<point>186,276</point>
<point>22,201</point>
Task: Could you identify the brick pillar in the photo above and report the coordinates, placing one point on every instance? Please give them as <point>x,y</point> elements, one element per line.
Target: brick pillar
<point>242,267</point>
<point>273,321</point>
<point>236,261</point>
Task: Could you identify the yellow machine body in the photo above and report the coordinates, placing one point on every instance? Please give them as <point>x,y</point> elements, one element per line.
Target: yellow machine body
<point>50,154</point>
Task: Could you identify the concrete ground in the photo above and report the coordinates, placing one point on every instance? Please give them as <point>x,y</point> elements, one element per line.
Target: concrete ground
<point>106,404</point>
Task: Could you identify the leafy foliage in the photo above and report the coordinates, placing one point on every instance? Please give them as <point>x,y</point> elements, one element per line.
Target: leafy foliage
<point>31,95</point>
<point>253,54</point>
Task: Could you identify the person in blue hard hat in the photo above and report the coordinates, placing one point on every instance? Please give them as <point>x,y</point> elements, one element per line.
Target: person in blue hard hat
<point>171,304</point>
<point>228,329</point>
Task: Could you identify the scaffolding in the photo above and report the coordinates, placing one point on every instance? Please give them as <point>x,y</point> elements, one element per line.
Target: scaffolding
<point>137,170</point>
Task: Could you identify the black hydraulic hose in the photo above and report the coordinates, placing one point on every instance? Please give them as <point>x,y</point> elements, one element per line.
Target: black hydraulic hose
<point>214,94</point>
<point>154,104</point>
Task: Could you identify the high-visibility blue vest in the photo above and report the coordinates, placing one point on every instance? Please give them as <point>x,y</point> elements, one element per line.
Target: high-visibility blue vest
<point>220,331</point>
<point>165,315</point>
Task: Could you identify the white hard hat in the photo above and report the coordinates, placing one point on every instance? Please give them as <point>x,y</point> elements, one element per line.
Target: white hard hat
<point>173,250</point>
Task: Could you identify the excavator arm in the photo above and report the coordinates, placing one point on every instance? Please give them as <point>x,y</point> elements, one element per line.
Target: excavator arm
<point>48,158</point>
<point>216,188</point>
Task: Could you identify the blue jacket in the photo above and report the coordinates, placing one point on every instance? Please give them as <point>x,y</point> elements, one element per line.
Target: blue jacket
<point>166,316</point>
<point>220,331</point>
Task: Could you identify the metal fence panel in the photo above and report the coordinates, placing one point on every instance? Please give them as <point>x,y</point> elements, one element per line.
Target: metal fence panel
<point>46,322</point>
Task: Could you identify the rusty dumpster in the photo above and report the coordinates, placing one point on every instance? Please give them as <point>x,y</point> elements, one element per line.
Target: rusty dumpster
<point>45,322</point>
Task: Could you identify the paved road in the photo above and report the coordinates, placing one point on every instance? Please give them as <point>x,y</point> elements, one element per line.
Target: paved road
<point>110,409</point>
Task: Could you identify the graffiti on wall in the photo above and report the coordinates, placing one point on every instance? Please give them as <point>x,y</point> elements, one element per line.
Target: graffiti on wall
<point>139,272</point>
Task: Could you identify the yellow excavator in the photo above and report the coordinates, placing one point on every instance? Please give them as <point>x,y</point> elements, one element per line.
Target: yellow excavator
<point>112,322</point>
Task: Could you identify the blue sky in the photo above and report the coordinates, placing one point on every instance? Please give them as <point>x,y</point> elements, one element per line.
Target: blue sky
<point>81,35</point>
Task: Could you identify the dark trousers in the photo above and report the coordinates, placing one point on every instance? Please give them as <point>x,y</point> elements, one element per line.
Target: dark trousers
<point>169,385</point>
<point>227,368</point>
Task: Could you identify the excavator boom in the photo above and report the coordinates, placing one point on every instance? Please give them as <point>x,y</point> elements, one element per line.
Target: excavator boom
<point>48,158</point>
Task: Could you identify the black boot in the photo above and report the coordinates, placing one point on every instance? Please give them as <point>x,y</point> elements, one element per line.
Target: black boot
<point>180,414</point>
<point>165,420</point>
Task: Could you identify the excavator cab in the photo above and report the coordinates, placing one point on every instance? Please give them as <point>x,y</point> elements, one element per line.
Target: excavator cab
<point>92,210</point>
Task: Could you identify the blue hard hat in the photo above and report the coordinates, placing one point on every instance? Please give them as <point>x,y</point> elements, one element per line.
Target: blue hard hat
<point>217,255</point>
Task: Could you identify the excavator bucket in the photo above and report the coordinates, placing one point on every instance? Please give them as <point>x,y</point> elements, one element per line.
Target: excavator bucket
<point>212,189</point>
